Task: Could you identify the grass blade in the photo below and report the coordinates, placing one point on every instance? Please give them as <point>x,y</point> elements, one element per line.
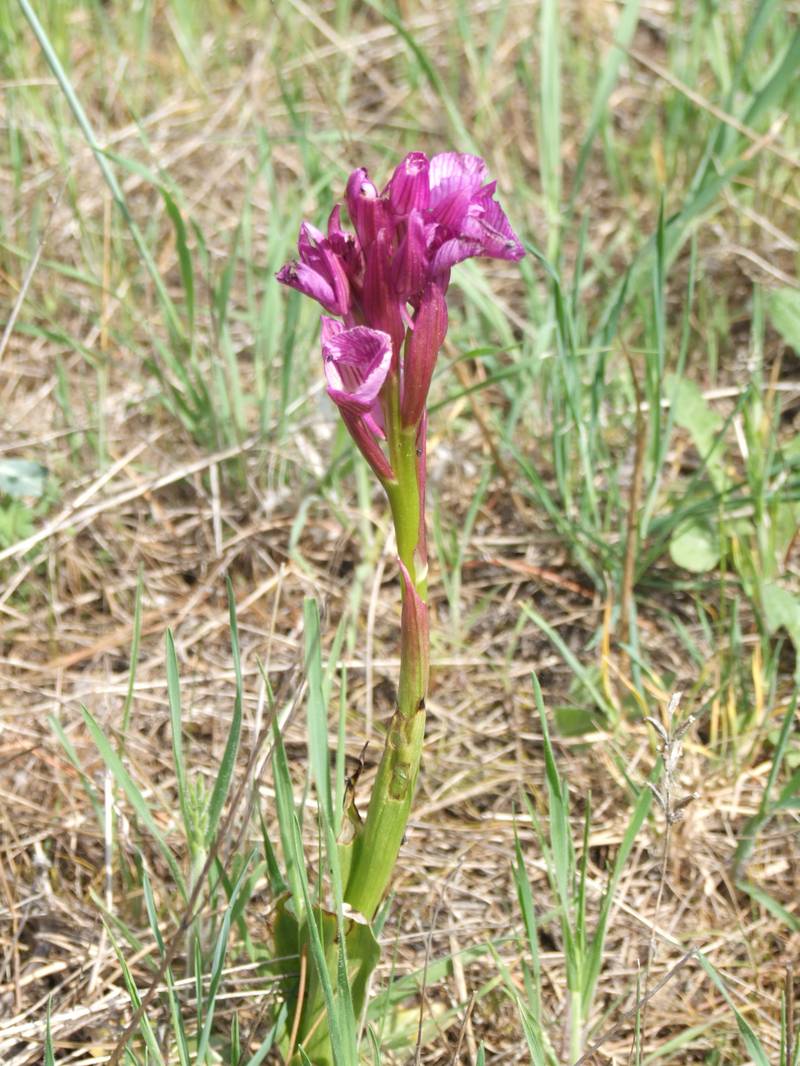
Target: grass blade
<point>134,796</point>
<point>226,767</point>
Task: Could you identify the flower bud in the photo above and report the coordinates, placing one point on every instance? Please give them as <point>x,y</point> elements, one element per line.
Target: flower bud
<point>409,189</point>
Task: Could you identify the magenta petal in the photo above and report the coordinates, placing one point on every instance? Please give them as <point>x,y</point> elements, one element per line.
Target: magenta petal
<point>454,180</point>
<point>487,224</point>
<point>422,347</point>
<point>301,277</point>
<point>409,189</point>
<point>329,327</point>
<point>456,250</point>
<point>320,272</point>
<point>410,264</point>
<point>356,363</point>
<point>380,301</point>
<point>316,253</point>
<point>367,210</point>
<point>460,167</point>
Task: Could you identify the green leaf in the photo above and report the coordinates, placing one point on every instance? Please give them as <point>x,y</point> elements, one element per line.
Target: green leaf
<point>49,1057</point>
<point>174,698</point>
<point>217,964</point>
<point>22,477</point>
<point>749,1038</point>
<point>781,608</point>
<point>225,775</point>
<point>783,308</point>
<point>782,611</point>
<point>184,255</point>
<point>769,903</point>
<point>695,546</point>
<point>704,425</point>
<point>574,721</point>
<point>317,711</point>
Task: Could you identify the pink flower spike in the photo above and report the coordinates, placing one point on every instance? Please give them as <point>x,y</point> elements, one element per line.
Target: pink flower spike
<point>357,362</point>
<point>422,347</point>
<point>409,189</point>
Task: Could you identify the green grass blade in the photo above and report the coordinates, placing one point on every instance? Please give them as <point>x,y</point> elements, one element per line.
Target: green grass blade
<point>751,1042</point>
<point>174,699</point>
<point>528,912</point>
<point>134,796</point>
<point>594,958</point>
<point>550,118</point>
<point>226,767</point>
<point>217,965</point>
<point>623,35</point>
<point>72,755</point>
<point>133,661</point>
<point>145,1025</point>
<point>49,1056</point>
<point>184,256</point>
<point>318,753</point>
<point>577,667</point>
<point>176,1017</point>
<point>170,313</point>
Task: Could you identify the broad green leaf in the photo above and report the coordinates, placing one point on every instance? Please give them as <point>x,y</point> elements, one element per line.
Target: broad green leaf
<point>783,307</point>
<point>695,547</point>
<point>22,477</point>
<point>704,425</point>
<point>782,611</point>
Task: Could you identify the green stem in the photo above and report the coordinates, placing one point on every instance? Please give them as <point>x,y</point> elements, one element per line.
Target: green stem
<point>378,842</point>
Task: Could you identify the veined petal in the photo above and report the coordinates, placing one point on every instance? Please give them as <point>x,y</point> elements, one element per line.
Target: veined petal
<point>306,280</point>
<point>320,272</point>
<point>486,223</point>
<point>356,363</point>
<point>410,263</point>
<point>409,189</point>
<point>329,327</point>
<point>380,301</point>
<point>457,166</point>
<point>365,206</point>
<point>454,179</point>
<point>456,250</point>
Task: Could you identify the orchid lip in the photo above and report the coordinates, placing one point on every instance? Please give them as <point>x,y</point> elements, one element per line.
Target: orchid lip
<point>357,362</point>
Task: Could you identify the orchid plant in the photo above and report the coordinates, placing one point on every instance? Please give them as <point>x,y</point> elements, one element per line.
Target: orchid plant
<point>384,288</point>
